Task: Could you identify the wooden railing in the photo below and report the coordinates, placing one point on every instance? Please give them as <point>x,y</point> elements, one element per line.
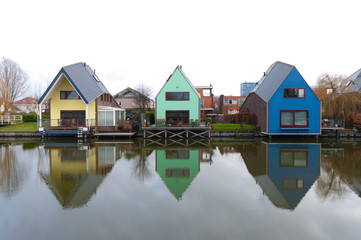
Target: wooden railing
<point>67,122</point>
<point>10,119</point>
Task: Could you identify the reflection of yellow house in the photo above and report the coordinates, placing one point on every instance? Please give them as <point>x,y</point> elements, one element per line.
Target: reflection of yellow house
<point>77,98</point>
<point>74,173</point>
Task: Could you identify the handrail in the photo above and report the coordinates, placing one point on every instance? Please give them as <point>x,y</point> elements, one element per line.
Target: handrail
<point>67,122</point>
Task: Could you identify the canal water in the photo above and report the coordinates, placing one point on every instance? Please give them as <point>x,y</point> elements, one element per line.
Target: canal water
<point>180,189</point>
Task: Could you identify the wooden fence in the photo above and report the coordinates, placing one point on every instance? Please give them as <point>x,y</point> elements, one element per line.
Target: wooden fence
<point>10,119</point>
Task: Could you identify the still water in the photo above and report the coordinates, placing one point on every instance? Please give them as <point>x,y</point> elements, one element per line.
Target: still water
<point>194,189</point>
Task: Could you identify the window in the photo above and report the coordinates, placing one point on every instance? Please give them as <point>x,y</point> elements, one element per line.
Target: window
<point>177,172</point>
<point>296,118</point>
<point>233,111</point>
<point>230,101</point>
<point>69,95</point>
<point>292,184</point>
<point>177,154</point>
<point>106,118</point>
<point>177,96</point>
<point>177,117</point>
<point>202,102</point>
<point>293,92</point>
<point>206,92</point>
<point>72,118</point>
<point>290,158</point>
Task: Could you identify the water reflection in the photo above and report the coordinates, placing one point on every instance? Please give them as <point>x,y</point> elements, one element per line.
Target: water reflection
<point>178,162</point>
<point>341,165</point>
<point>285,172</point>
<point>74,171</point>
<point>13,171</point>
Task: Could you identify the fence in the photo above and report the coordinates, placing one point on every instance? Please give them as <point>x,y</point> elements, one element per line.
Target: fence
<point>233,118</point>
<point>10,119</point>
<point>67,122</point>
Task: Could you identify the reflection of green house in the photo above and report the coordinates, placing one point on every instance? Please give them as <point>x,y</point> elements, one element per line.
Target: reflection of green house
<point>73,172</point>
<point>177,168</point>
<point>178,102</point>
<point>285,172</point>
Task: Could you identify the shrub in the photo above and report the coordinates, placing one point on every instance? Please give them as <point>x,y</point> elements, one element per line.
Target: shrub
<point>30,117</point>
<point>150,117</point>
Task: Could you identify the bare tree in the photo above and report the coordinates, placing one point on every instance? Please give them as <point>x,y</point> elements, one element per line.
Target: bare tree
<point>338,103</point>
<point>143,97</point>
<point>13,82</point>
<point>37,91</point>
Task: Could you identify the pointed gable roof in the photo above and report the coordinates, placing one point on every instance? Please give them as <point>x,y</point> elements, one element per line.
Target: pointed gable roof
<point>27,100</point>
<point>128,89</point>
<point>355,81</point>
<point>82,78</point>
<point>179,68</point>
<point>272,80</point>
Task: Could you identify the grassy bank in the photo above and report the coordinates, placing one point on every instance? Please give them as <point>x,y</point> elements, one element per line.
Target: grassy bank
<point>21,127</point>
<point>231,126</point>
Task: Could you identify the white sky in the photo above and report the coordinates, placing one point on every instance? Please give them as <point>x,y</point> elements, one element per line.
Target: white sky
<point>223,43</point>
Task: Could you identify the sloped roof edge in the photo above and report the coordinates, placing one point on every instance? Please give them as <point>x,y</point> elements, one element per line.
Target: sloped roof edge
<point>185,77</point>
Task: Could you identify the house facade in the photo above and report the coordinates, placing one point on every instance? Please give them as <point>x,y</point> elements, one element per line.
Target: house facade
<point>26,105</point>
<point>230,104</point>
<point>282,103</point>
<point>130,99</point>
<point>77,98</point>
<point>206,100</point>
<point>178,102</point>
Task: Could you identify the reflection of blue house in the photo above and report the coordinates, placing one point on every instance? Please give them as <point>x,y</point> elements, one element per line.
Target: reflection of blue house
<point>282,103</point>
<point>285,172</point>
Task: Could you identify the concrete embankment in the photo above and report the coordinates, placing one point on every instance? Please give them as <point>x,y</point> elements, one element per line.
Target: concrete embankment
<point>214,134</point>
<point>19,134</point>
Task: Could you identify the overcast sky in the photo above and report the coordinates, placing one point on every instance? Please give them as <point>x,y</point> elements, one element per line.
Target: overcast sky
<point>223,43</point>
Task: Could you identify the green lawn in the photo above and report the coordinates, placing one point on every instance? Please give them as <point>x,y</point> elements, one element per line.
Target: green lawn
<point>231,126</point>
<point>21,127</point>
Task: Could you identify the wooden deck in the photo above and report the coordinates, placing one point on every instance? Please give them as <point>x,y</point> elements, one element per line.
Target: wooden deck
<point>176,132</point>
<point>114,134</point>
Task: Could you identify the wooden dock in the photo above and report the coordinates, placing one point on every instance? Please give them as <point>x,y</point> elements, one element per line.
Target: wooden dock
<point>114,134</point>
<point>176,132</point>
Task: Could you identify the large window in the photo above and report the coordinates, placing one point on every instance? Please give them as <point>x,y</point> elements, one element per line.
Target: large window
<point>293,158</point>
<point>72,118</point>
<point>293,92</point>
<point>177,117</point>
<point>230,101</point>
<point>69,95</point>
<point>106,118</point>
<point>177,154</point>
<point>293,184</point>
<point>177,172</point>
<point>177,96</point>
<point>296,118</point>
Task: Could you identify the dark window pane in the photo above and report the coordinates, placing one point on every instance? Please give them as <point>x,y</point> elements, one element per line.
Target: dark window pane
<point>177,96</point>
<point>290,92</point>
<point>168,96</point>
<point>79,114</point>
<point>186,96</point>
<point>66,115</point>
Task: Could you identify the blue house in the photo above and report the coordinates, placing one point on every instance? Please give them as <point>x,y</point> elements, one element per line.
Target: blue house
<point>282,103</point>
<point>284,171</point>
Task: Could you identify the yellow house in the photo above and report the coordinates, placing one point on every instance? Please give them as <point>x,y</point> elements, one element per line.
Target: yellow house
<point>77,98</point>
<point>74,172</point>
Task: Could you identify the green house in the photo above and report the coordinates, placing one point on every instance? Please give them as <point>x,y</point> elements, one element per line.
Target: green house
<point>177,103</point>
<point>177,168</point>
